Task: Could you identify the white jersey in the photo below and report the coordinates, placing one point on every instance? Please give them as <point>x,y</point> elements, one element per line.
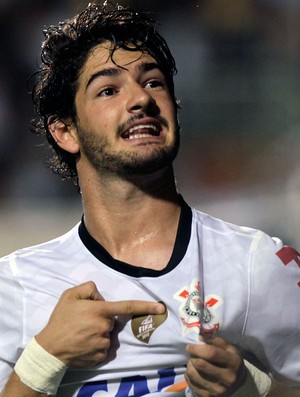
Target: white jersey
<point>252,295</point>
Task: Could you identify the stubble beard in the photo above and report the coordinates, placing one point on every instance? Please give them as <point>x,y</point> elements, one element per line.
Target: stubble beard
<point>128,164</point>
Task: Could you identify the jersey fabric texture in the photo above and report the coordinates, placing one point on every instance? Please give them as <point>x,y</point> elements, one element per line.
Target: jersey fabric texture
<point>251,286</point>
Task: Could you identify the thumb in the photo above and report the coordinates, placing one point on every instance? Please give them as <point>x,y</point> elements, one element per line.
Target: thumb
<point>96,296</point>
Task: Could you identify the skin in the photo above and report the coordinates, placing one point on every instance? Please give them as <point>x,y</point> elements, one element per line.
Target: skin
<point>213,367</point>
<point>114,203</point>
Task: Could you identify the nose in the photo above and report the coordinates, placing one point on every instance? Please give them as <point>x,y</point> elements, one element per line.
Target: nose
<point>139,99</point>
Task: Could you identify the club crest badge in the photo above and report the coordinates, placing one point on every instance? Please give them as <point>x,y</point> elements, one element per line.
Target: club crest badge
<point>190,310</point>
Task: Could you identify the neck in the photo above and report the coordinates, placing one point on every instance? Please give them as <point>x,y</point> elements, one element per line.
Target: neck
<point>130,218</point>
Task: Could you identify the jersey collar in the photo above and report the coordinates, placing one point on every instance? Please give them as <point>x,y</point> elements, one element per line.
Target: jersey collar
<point>179,250</point>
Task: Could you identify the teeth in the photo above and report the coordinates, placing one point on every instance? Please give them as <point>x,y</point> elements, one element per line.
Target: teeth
<point>136,136</point>
<point>140,131</point>
<point>142,126</point>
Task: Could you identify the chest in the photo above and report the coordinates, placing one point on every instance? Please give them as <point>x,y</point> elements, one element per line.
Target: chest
<point>148,353</point>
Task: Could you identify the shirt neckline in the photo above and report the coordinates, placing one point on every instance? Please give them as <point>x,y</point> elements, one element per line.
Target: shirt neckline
<point>179,250</point>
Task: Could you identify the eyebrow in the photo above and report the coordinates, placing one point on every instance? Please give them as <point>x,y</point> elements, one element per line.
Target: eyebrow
<point>116,71</point>
<point>148,66</point>
<point>102,73</point>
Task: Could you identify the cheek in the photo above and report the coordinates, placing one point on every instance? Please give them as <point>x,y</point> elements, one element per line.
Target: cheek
<point>104,116</point>
<point>170,108</point>
<point>172,118</point>
<point>92,119</point>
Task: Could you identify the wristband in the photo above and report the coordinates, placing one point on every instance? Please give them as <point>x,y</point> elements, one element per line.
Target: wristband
<point>40,370</point>
<point>252,382</point>
<point>256,380</point>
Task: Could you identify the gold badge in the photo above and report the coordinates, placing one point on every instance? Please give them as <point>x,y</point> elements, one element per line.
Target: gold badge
<point>144,326</point>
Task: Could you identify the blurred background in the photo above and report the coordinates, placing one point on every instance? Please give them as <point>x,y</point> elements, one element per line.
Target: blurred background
<point>239,85</point>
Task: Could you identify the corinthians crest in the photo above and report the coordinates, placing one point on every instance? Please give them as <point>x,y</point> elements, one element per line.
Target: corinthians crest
<point>190,309</point>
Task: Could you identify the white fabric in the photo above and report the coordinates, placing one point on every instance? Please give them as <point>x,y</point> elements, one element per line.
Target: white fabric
<point>256,380</point>
<point>252,299</point>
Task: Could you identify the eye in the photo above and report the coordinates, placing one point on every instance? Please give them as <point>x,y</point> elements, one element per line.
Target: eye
<point>154,84</point>
<point>108,91</point>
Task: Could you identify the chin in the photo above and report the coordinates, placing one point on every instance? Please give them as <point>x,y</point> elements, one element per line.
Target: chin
<point>148,166</point>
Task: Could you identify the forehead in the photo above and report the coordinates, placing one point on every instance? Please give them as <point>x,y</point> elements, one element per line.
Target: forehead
<point>100,58</point>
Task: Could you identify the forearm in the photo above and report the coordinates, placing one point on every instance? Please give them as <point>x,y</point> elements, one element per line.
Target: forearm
<point>15,388</point>
<point>279,390</point>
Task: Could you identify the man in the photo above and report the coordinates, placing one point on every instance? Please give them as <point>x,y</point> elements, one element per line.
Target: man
<point>115,306</point>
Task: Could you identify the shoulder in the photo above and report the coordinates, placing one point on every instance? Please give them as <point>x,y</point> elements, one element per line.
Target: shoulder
<point>267,258</point>
<point>221,232</point>
<point>40,254</point>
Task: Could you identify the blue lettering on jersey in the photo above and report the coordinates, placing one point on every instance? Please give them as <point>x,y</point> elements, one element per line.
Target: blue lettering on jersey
<point>166,378</point>
<point>136,383</point>
<point>132,386</point>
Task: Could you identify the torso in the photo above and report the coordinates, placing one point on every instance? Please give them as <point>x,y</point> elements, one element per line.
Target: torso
<point>151,355</point>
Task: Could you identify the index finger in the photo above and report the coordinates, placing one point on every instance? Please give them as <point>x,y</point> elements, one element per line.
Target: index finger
<point>133,307</point>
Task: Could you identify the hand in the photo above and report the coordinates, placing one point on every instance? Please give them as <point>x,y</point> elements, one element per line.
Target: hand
<point>78,331</point>
<point>215,368</point>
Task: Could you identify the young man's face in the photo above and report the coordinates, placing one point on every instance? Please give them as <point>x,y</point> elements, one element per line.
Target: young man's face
<point>126,118</point>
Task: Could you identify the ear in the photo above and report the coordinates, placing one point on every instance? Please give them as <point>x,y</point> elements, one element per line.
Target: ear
<point>64,134</point>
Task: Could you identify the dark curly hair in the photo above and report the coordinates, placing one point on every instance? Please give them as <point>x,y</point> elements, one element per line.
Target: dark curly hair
<point>64,52</point>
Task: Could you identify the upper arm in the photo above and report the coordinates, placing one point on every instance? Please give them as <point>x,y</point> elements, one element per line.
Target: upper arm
<point>272,332</point>
<point>11,321</point>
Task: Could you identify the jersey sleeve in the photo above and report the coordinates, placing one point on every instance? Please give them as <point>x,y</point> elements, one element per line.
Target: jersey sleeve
<point>272,329</point>
<point>11,318</point>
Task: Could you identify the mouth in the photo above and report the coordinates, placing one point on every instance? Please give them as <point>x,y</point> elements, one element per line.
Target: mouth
<point>142,130</point>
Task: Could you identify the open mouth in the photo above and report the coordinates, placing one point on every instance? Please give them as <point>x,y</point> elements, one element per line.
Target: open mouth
<point>141,131</point>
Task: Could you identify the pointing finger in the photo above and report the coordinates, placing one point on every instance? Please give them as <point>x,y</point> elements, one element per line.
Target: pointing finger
<point>132,307</point>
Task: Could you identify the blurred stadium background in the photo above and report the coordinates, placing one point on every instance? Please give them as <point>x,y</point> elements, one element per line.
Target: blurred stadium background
<point>239,84</point>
